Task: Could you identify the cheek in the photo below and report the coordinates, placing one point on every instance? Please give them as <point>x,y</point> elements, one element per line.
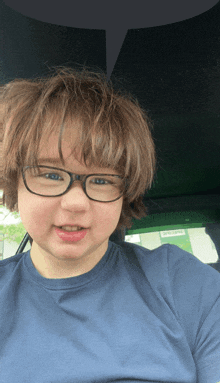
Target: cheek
<point>35,214</point>
<point>107,216</point>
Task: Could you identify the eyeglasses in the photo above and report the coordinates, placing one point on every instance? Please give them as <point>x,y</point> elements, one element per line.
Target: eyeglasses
<point>48,181</point>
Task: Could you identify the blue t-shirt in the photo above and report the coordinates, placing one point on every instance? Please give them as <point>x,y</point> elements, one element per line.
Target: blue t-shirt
<point>138,316</point>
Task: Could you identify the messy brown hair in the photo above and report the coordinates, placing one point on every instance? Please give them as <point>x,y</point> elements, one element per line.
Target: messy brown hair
<point>115,131</point>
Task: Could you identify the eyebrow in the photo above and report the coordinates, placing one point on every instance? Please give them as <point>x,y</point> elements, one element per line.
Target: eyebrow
<point>58,161</point>
<point>50,160</point>
<point>54,161</point>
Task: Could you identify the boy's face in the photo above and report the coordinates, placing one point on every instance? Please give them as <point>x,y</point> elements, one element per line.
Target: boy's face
<point>52,256</point>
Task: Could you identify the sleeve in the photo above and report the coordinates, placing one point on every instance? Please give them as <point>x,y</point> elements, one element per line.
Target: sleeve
<point>207,353</point>
<point>196,293</point>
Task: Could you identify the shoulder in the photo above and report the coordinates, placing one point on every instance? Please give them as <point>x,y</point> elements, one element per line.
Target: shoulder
<point>171,259</point>
<point>177,273</point>
<point>9,266</point>
<point>190,288</point>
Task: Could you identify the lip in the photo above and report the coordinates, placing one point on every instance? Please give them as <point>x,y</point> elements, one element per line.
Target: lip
<point>72,224</point>
<point>70,236</point>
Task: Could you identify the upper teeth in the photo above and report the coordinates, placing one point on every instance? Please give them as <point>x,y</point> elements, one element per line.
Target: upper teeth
<point>71,228</point>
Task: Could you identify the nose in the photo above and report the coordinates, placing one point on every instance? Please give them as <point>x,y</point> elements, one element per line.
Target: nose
<point>75,197</point>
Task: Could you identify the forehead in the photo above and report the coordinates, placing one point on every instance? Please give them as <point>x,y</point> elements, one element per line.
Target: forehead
<point>49,153</point>
<point>49,145</point>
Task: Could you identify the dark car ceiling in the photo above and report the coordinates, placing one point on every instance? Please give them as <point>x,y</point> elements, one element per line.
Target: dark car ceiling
<point>174,72</point>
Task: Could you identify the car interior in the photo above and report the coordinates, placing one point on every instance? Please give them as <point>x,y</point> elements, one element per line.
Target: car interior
<point>173,71</point>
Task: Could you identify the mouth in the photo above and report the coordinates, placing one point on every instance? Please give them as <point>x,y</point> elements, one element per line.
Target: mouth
<point>71,228</point>
<point>76,233</point>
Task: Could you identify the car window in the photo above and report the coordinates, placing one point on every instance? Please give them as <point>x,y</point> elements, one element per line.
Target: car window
<point>193,240</point>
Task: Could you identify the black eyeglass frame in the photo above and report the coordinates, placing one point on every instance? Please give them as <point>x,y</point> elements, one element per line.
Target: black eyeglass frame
<point>78,177</point>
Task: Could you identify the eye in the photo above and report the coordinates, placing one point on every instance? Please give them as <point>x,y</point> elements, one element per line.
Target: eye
<point>51,176</point>
<point>100,181</point>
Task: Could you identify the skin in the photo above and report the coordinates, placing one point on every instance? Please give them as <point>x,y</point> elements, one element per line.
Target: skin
<point>52,257</point>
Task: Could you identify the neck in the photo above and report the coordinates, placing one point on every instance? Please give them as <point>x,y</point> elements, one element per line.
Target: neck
<point>55,266</point>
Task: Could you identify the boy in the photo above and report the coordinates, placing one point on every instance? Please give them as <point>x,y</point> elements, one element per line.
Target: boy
<point>78,157</point>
